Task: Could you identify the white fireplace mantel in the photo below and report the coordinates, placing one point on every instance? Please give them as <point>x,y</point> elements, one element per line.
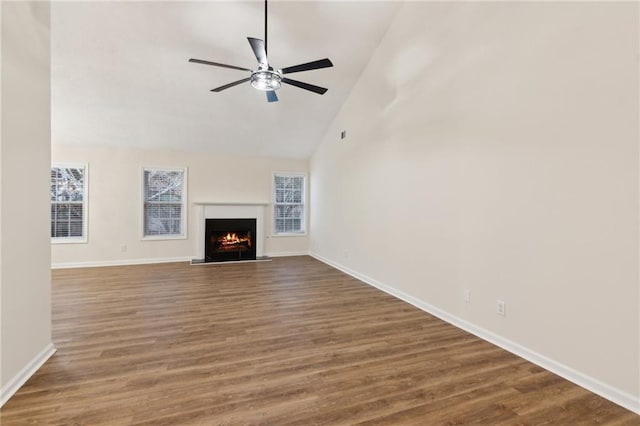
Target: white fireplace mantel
<point>218,210</point>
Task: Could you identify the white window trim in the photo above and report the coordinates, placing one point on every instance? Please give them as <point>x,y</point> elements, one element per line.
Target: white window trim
<point>183,235</point>
<point>305,204</point>
<point>85,201</point>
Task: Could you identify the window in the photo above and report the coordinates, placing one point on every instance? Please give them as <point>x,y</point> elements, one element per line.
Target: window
<point>68,204</point>
<point>288,206</point>
<point>164,203</point>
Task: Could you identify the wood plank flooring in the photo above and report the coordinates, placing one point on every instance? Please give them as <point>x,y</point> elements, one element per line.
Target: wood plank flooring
<point>288,342</point>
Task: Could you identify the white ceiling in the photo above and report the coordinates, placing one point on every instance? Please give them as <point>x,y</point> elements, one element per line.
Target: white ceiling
<point>121,76</point>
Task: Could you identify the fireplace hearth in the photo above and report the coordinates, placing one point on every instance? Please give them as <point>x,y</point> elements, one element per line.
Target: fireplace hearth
<point>230,240</point>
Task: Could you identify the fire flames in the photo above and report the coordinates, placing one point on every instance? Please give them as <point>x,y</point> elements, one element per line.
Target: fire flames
<point>231,238</point>
<point>233,241</point>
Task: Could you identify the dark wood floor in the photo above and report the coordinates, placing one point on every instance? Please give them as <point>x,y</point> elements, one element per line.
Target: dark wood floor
<point>288,342</point>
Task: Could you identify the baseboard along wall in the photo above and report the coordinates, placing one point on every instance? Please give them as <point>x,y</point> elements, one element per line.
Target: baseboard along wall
<point>23,375</point>
<point>119,262</point>
<point>95,264</point>
<point>288,254</point>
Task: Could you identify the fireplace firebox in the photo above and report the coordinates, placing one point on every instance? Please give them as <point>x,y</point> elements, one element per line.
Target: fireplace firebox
<point>230,240</point>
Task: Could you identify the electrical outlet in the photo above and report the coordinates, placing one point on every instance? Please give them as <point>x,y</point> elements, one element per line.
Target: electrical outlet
<point>467,296</point>
<point>501,308</point>
<point>123,247</point>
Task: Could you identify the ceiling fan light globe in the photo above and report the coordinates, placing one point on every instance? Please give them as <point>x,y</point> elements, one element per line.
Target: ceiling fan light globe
<point>266,80</point>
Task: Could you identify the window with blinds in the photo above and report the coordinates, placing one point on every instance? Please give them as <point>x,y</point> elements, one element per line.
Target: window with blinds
<point>288,213</point>
<point>68,203</point>
<point>164,203</point>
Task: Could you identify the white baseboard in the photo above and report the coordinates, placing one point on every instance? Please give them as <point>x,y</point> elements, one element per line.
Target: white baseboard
<point>123,262</point>
<point>23,375</point>
<point>614,395</point>
<point>288,253</point>
<point>65,265</point>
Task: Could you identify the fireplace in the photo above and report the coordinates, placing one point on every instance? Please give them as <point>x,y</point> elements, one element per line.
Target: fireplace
<point>230,218</point>
<point>230,240</point>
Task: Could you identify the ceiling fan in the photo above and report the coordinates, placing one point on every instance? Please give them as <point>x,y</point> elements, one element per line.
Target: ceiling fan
<point>266,78</point>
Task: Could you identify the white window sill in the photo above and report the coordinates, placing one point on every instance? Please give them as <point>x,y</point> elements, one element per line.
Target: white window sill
<point>290,234</point>
<point>163,237</point>
<point>69,240</point>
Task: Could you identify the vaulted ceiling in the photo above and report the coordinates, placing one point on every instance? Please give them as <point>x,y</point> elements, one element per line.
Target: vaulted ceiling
<point>121,76</point>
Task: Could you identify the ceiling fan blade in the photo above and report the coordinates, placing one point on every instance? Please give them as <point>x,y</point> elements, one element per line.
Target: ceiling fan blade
<point>321,63</point>
<point>200,61</point>
<point>317,89</point>
<point>226,86</point>
<point>257,46</point>
<point>271,96</point>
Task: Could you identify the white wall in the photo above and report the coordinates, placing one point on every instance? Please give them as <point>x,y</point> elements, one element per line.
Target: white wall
<point>115,203</point>
<point>25,280</point>
<point>494,147</point>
